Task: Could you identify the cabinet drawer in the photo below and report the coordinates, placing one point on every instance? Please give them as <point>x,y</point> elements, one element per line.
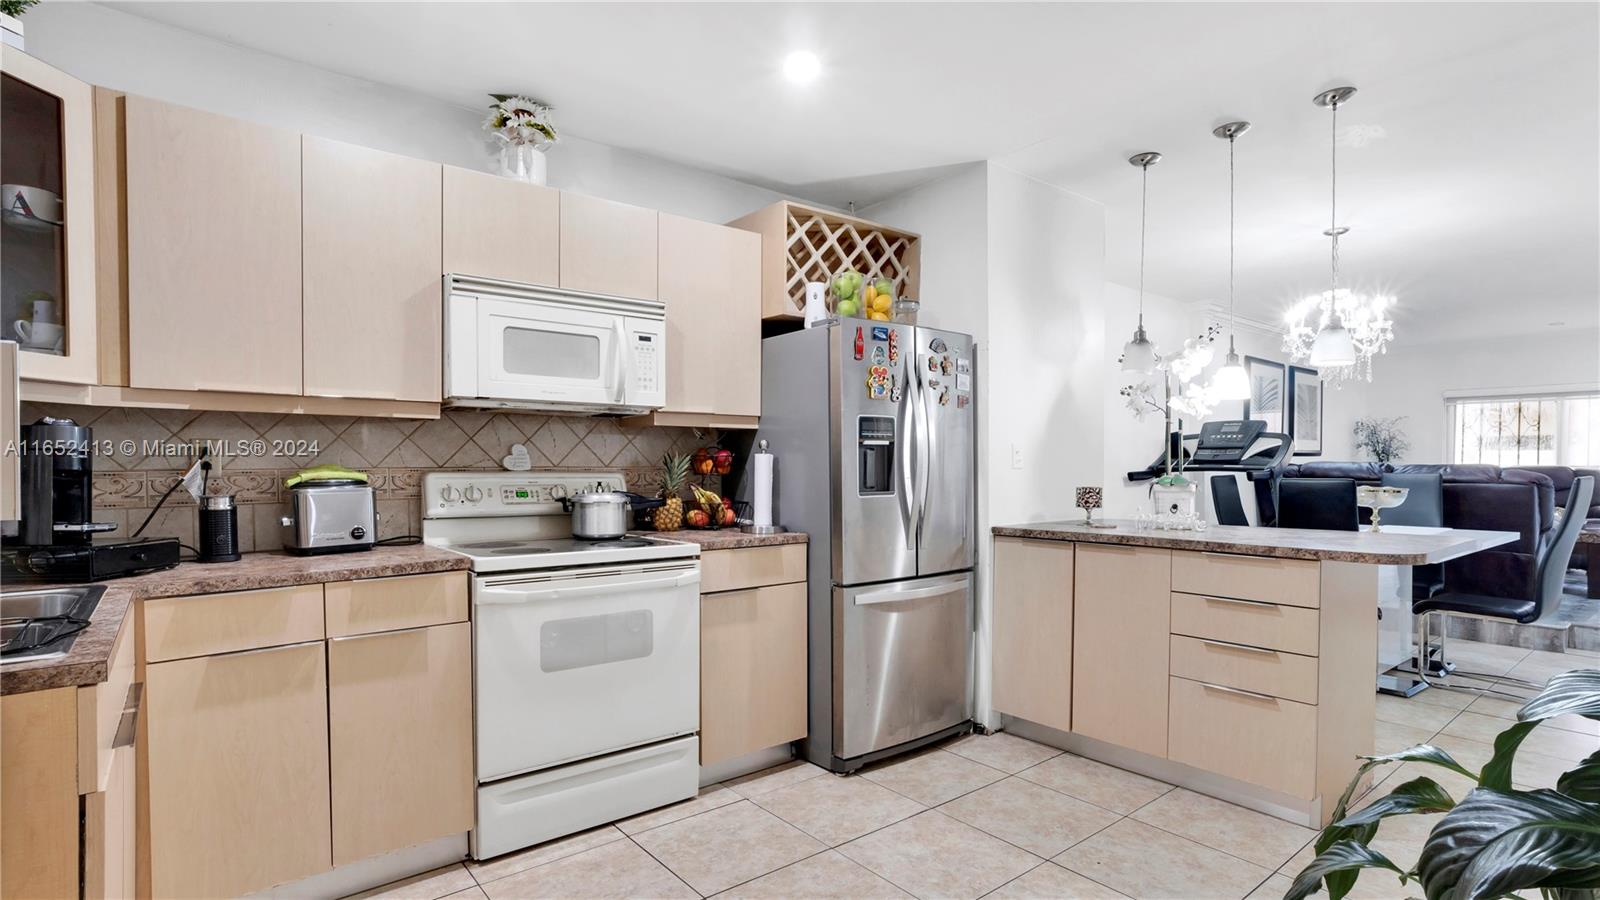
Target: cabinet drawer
<point>101,709</point>
<point>1286,675</point>
<point>1288,628</point>
<point>749,567</point>
<point>390,604</point>
<point>179,627</point>
<point>1263,740</point>
<point>1289,581</point>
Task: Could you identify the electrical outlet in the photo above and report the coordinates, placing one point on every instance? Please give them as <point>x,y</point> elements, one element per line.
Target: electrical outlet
<point>1016,456</point>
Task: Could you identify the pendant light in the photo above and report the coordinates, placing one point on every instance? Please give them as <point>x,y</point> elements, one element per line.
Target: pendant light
<point>1334,347</point>
<point>1231,382</point>
<point>1139,354</point>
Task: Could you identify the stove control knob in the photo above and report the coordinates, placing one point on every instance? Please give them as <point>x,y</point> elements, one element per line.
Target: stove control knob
<point>474,493</point>
<point>449,494</point>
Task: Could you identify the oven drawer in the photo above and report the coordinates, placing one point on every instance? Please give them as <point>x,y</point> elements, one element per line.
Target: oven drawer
<point>1288,628</point>
<point>1286,675</point>
<point>1294,582</point>
<point>530,809</point>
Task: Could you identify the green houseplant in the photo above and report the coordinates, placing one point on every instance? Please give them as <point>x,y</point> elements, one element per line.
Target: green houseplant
<point>1495,840</point>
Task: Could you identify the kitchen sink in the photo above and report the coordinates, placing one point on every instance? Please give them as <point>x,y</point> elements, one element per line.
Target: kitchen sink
<point>43,623</point>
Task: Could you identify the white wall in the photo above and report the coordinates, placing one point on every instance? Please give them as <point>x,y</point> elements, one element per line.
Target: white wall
<point>1412,380</point>
<point>108,47</point>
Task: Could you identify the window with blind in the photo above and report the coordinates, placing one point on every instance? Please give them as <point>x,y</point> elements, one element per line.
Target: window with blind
<point>1553,430</point>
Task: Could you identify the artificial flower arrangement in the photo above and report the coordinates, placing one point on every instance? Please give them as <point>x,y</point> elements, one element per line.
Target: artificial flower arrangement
<point>1191,398</point>
<point>518,120</point>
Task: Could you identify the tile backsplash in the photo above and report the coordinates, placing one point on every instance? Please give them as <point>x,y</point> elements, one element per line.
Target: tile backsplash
<point>146,450</point>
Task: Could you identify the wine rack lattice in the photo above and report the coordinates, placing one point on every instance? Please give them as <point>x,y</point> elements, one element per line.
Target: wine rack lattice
<point>820,245</point>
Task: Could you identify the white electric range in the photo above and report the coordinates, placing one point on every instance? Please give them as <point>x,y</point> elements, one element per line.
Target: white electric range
<point>586,657</point>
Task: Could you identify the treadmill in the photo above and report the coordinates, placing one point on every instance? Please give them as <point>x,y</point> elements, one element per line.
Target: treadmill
<point>1226,446</point>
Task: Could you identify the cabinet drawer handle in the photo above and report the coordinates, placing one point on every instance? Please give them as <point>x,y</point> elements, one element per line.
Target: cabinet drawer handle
<point>1227,646</point>
<point>1249,603</point>
<point>1250,694</point>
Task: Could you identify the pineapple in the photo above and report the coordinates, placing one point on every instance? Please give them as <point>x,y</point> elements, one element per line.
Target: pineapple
<point>670,517</point>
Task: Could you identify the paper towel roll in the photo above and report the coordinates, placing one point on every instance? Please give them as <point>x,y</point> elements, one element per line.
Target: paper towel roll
<point>761,487</point>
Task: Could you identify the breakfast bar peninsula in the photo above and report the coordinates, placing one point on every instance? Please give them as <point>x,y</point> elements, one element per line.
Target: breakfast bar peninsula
<point>1235,661</point>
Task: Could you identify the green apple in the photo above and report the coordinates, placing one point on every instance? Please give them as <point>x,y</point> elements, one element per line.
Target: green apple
<point>884,286</point>
<point>847,308</point>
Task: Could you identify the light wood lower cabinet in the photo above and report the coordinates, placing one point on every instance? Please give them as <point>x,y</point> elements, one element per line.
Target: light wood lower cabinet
<point>238,771</point>
<point>752,670</point>
<point>1121,603</point>
<point>109,829</point>
<point>39,794</point>
<point>1033,631</point>
<point>400,730</point>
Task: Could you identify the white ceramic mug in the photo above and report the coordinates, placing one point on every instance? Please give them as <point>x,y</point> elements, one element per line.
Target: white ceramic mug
<point>38,335</point>
<point>44,312</point>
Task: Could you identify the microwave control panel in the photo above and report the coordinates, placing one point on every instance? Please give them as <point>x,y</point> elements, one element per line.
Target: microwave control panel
<point>647,362</point>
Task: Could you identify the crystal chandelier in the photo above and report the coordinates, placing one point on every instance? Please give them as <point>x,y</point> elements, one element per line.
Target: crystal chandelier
<point>1339,331</point>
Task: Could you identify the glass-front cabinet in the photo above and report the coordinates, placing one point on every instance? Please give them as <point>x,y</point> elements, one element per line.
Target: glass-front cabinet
<point>47,253</point>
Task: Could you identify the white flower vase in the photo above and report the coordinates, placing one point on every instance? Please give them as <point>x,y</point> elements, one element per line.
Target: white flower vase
<point>1174,506</point>
<point>524,162</point>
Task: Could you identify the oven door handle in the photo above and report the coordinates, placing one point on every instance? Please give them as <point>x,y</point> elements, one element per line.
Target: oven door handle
<point>504,596</point>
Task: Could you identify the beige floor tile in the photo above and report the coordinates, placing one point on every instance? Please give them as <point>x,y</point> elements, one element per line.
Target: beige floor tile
<point>932,855</point>
<point>1544,660</point>
<point>1388,737</point>
<point>1530,769</point>
<point>933,776</point>
<point>1507,709</point>
<point>1401,837</point>
<point>834,810</point>
<point>1486,659</point>
<point>539,854</point>
<point>711,797</point>
<point>1272,889</point>
<point>471,893</point>
<point>1031,816</point>
<point>1247,834</point>
<point>1006,752</point>
<point>430,885</point>
<point>1545,739</point>
<point>1142,861</point>
<point>1413,712</point>
<point>1052,882</point>
<point>791,772</point>
<point>616,871</point>
<point>716,850</point>
<point>1450,699</point>
<point>826,876</point>
<point>1105,786</point>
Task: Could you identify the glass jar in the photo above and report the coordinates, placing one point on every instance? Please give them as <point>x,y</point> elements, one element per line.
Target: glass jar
<point>905,311</point>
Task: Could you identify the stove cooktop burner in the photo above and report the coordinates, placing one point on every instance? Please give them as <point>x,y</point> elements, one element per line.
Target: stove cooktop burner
<point>525,548</point>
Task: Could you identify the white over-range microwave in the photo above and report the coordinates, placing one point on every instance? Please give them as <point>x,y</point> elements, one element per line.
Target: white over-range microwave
<point>520,346</point>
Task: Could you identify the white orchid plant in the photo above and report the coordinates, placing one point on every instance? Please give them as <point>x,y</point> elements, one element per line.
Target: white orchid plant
<point>1191,397</point>
<point>514,119</point>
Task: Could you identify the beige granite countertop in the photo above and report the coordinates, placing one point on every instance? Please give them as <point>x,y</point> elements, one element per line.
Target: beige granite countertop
<point>727,539</point>
<point>1385,548</point>
<point>86,662</point>
<point>1589,536</point>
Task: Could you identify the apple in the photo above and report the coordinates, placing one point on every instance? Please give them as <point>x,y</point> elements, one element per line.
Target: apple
<point>728,517</point>
<point>698,518</point>
<point>848,309</point>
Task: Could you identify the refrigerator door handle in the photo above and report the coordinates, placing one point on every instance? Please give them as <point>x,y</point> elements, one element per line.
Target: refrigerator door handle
<point>924,453</point>
<point>903,466</point>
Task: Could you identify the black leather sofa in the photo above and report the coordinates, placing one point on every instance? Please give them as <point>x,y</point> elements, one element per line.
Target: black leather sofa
<point>1480,497</point>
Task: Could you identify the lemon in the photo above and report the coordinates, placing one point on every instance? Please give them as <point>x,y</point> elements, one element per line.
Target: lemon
<point>881,303</point>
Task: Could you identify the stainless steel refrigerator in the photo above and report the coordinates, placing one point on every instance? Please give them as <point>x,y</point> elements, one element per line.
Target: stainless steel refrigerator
<point>872,424</point>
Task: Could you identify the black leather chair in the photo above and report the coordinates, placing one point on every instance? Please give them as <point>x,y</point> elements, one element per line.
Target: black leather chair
<point>1325,503</point>
<point>1424,506</point>
<point>1225,500</point>
<point>1554,553</point>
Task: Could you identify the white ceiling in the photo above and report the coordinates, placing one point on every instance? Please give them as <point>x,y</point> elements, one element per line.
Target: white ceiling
<point>1474,196</point>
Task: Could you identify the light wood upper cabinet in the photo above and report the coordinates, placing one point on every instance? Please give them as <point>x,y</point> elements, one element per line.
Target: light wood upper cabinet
<point>48,253</point>
<point>1033,631</point>
<point>607,247</point>
<point>710,279</point>
<point>213,252</point>
<point>1121,612</point>
<point>373,295</point>
<point>400,726</point>
<point>752,670</point>
<point>238,771</point>
<point>501,228</point>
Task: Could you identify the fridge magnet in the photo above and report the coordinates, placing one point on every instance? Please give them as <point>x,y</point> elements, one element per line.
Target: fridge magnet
<point>961,401</point>
<point>894,347</point>
<point>963,366</point>
<point>894,389</point>
<point>880,356</point>
<point>963,382</point>
<point>877,390</point>
<point>938,345</point>
<point>944,397</point>
<point>933,364</point>
<point>860,346</point>
<point>880,333</point>
<point>944,365</point>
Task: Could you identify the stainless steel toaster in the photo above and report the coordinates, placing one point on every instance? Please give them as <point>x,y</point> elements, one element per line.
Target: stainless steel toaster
<point>330,517</point>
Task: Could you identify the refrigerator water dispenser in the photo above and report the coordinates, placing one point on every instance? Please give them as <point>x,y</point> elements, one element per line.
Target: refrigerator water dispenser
<point>875,445</point>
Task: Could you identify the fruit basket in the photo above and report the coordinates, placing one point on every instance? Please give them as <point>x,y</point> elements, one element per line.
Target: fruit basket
<point>711,511</point>
<point>854,296</point>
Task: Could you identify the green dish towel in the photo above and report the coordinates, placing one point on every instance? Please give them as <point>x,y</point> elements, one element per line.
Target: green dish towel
<point>325,473</point>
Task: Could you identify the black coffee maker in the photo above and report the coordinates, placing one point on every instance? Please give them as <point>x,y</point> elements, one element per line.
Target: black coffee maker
<point>56,538</point>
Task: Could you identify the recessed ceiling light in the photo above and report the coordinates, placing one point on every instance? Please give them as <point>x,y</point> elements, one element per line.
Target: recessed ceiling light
<point>802,66</point>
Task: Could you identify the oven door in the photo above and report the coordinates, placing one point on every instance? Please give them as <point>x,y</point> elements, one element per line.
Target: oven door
<point>574,664</point>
